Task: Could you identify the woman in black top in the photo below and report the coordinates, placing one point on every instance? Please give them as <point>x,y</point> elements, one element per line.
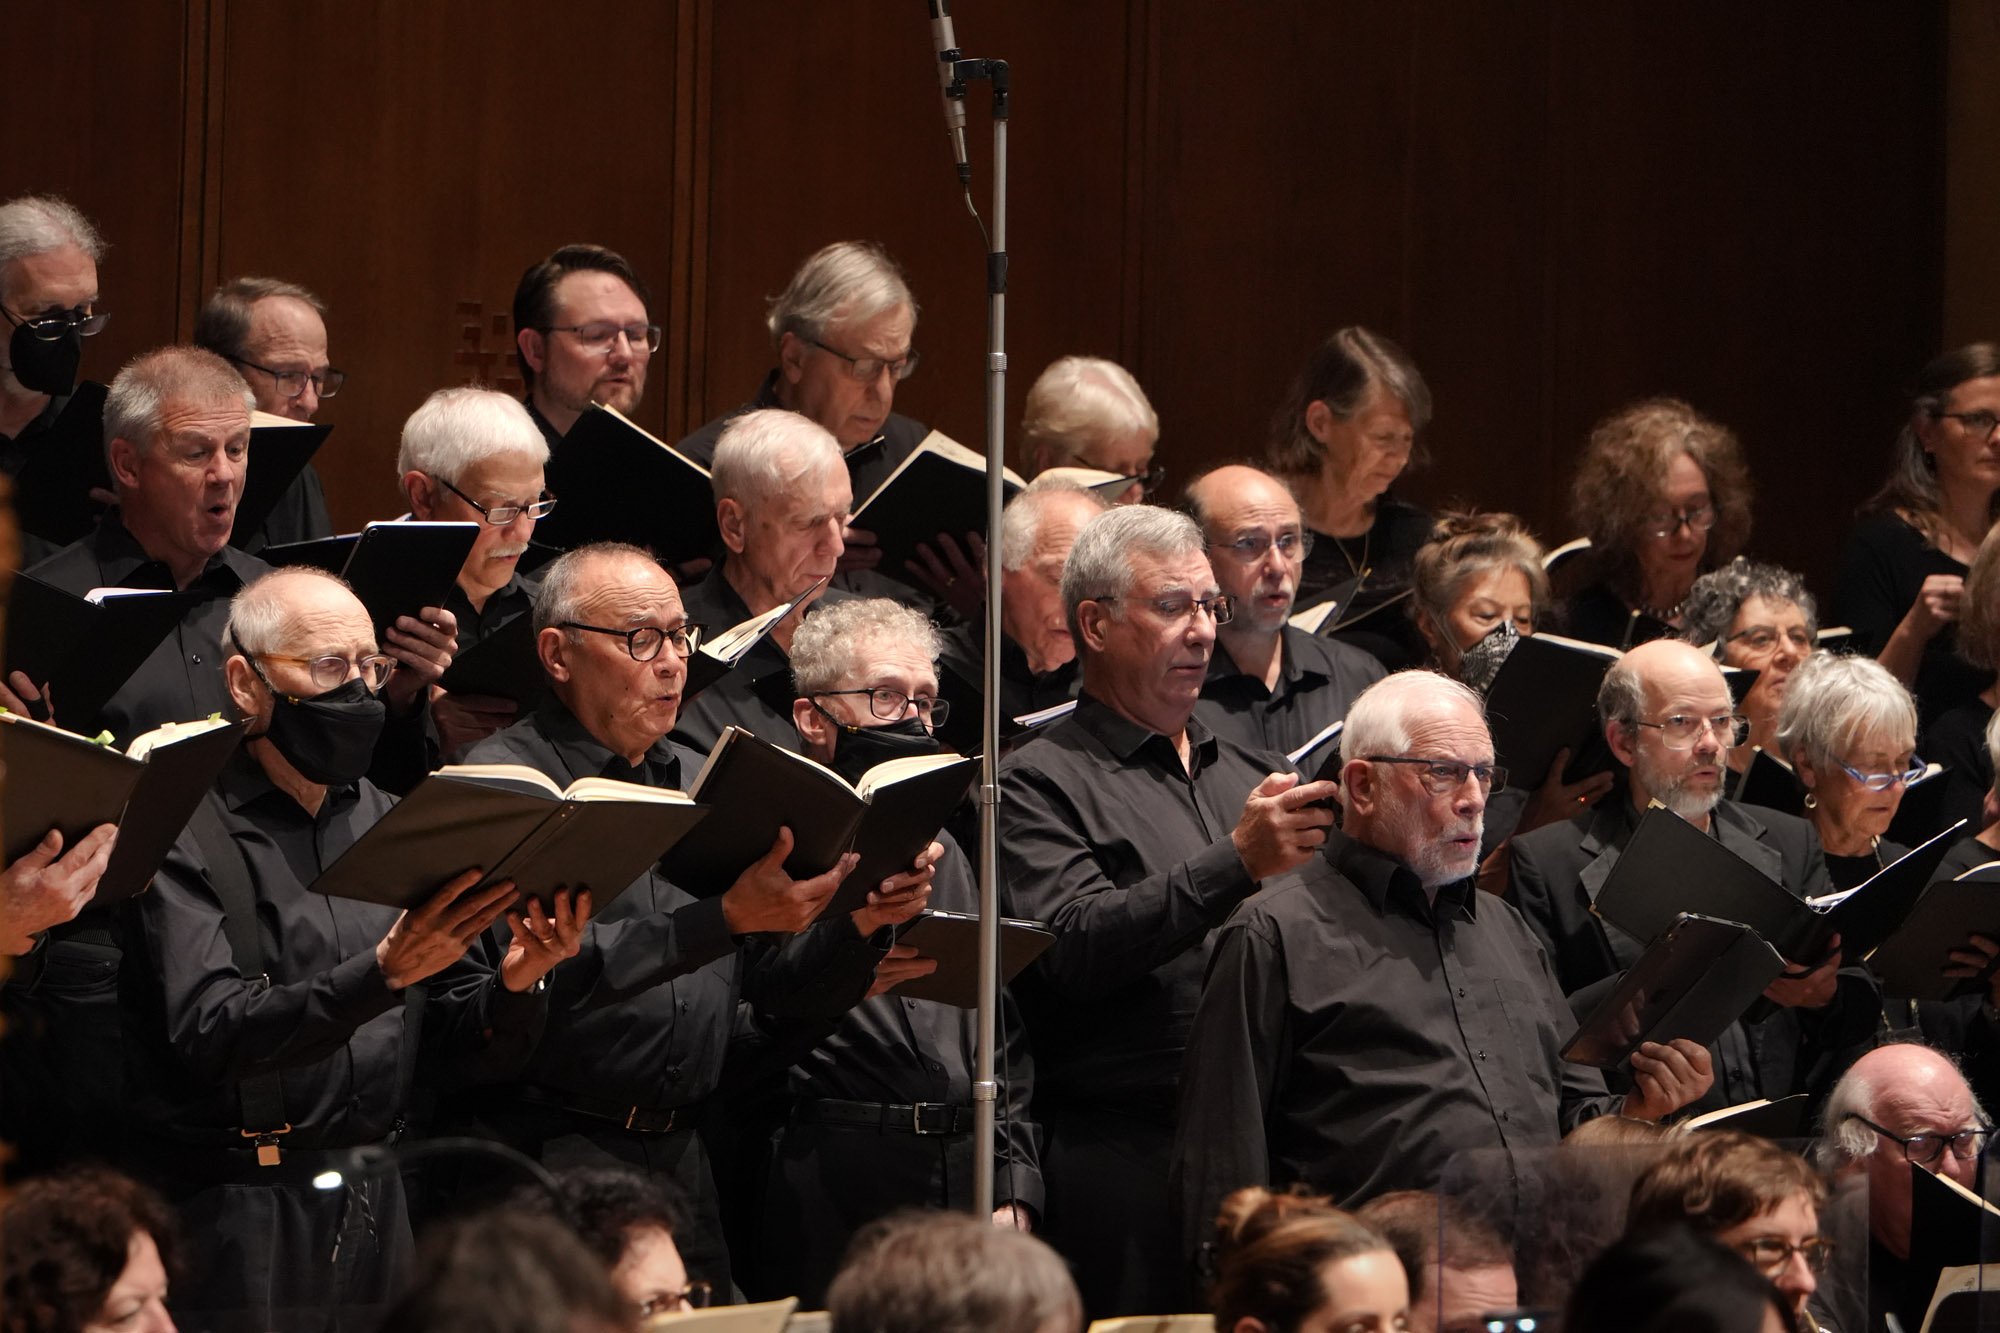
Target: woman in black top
<point>1902,571</point>
<point>1664,495</point>
<point>1849,729</point>
<point>1344,434</point>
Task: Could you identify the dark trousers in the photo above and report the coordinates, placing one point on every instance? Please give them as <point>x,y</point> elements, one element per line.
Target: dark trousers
<point>1109,1212</point>
<point>827,1181</point>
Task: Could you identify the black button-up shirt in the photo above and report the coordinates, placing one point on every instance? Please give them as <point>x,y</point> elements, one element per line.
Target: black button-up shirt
<point>1022,689</point>
<point>515,597</point>
<point>1353,1034</point>
<point>757,694</point>
<point>1105,835</point>
<point>1317,680</point>
<point>182,681</point>
<point>643,1014</point>
<point>327,1023</point>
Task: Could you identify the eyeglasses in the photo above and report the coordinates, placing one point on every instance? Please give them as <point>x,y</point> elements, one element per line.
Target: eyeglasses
<point>1441,777</point>
<point>1771,1254</point>
<point>868,369</point>
<point>1680,732</point>
<point>598,338</point>
<point>1764,638</point>
<point>330,672</point>
<point>1980,423</point>
<point>894,705</point>
<point>48,328</point>
<point>1884,781</point>
<point>501,515</point>
<point>1176,609</point>
<point>291,383</point>
<point>694,1296</point>
<point>1251,546</point>
<point>1923,1149</point>
<point>645,642</point>
<point>1667,524</point>
<point>1149,480</point>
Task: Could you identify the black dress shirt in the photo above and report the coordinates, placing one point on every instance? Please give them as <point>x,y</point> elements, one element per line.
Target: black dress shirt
<point>1317,680</point>
<point>962,679</point>
<point>1105,835</point>
<point>515,597</point>
<point>1956,739</point>
<point>182,681</point>
<point>1376,613</point>
<point>327,1022</point>
<point>644,1013</point>
<point>1353,1034</point>
<point>298,516</point>
<point>550,434</point>
<point>757,693</point>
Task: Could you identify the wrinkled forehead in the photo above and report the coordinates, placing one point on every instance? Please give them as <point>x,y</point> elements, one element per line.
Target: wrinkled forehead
<point>1687,684</point>
<point>629,591</point>
<point>1153,576</point>
<point>1450,729</point>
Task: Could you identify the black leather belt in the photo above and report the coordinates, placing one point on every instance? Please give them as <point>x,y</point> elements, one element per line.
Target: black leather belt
<point>639,1119</point>
<point>890,1117</point>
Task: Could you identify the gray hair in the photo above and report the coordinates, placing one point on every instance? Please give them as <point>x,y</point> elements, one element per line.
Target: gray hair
<point>455,429</point>
<point>1993,746</point>
<point>1621,698</point>
<point>223,325</point>
<point>561,593</point>
<point>844,282</point>
<point>838,639</point>
<point>1834,701</point>
<point>1716,597</point>
<point>140,393</point>
<point>1080,401</point>
<point>1377,720</point>
<point>926,1272</point>
<point>1844,1139</point>
<point>260,614</point>
<point>1021,523</point>
<point>1100,564</point>
<point>35,224</point>
<point>1352,364</point>
<point>765,453</point>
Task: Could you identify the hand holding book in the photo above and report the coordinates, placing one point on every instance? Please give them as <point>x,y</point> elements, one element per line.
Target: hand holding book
<point>901,896</point>
<point>765,898</point>
<point>50,885</point>
<point>543,939</point>
<point>426,940</point>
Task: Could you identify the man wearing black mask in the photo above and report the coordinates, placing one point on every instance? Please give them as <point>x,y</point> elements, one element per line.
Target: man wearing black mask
<point>881,1114</point>
<point>256,1066</point>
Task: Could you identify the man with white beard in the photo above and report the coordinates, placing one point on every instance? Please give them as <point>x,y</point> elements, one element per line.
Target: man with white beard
<point>1370,1017</point>
<point>1669,719</point>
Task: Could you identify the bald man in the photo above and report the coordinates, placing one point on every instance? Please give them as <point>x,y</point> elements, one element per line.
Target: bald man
<point>1270,686</point>
<point>1898,1107</point>
<point>1669,719</point>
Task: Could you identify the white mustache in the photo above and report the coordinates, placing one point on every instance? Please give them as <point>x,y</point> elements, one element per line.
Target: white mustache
<point>503,552</point>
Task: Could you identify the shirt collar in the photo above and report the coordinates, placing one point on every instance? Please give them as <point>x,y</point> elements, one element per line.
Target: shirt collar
<point>243,783</point>
<point>1293,674</point>
<point>584,756</point>
<point>1389,884</point>
<point>125,563</point>
<point>1126,739</point>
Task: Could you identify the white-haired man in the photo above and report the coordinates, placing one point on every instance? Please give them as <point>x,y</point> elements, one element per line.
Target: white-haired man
<point>254,1064</point>
<point>1133,831</point>
<point>476,456</point>
<point>1270,686</point>
<point>882,1108</point>
<point>1037,657</point>
<point>1899,1108</point>
<point>1084,411</point>
<point>274,332</point>
<point>1669,719</point>
<point>781,502</point>
<point>1368,1019</point>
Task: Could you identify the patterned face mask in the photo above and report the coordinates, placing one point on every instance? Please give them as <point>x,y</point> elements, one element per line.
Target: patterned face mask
<point>1481,662</point>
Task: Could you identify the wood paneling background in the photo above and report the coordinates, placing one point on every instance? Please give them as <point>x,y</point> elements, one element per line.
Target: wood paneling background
<point>1557,206</point>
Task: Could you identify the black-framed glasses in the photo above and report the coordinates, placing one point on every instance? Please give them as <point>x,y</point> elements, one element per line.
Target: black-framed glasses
<point>1764,638</point>
<point>1221,606</point>
<point>501,515</point>
<point>894,705</point>
<point>645,642</point>
<point>1884,781</point>
<point>1680,732</point>
<point>1928,1147</point>
<point>694,1296</point>
<point>1149,480</point>
<point>330,671</point>
<point>1770,1254</point>
<point>644,339</point>
<point>1251,546</point>
<point>1980,422</point>
<point>1699,519</point>
<point>53,325</point>
<point>291,383</point>
<point>1441,777</point>
<point>868,369</point>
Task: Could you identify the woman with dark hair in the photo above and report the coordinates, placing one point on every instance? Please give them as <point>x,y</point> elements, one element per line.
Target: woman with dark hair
<point>1664,495</point>
<point>1902,572</point>
<point>1287,1263</point>
<point>1675,1281</point>
<point>1347,429</point>
<point>85,1252</point>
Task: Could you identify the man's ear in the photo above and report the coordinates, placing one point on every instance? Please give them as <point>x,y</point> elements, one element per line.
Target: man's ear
<point>534,347</point>
<point>124,463</point>
<point>792,351</point>
<point>1358,787</point>
<point>1092,619</point>
<point>813,727</point>
<point>245,690</point>
<point>552,646</point>
<point>421,493</point>
<point>731,519</point>
<point>1620,737</point>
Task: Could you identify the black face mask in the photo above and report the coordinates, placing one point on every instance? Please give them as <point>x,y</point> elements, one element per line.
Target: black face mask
<point>329,738</point>
<point>858,749</point>
<point>45,367</point>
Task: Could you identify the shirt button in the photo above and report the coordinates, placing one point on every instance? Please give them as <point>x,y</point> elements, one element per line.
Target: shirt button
<point>1503,1115</point>
<point>685,1006</point>
<point>1481,1054</point>
<point>195,658</point>
<point>1461,992</point>
<point>933,1066</point>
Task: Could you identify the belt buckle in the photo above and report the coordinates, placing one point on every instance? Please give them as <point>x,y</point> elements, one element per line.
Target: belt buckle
<point>917,1117</point>
<point>268,1152</point>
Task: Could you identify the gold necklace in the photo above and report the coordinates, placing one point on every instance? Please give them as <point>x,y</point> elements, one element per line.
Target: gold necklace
<point>1360,571</point>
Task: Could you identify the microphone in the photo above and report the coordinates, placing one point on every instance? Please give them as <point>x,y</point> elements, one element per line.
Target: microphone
<point>950,86</point>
